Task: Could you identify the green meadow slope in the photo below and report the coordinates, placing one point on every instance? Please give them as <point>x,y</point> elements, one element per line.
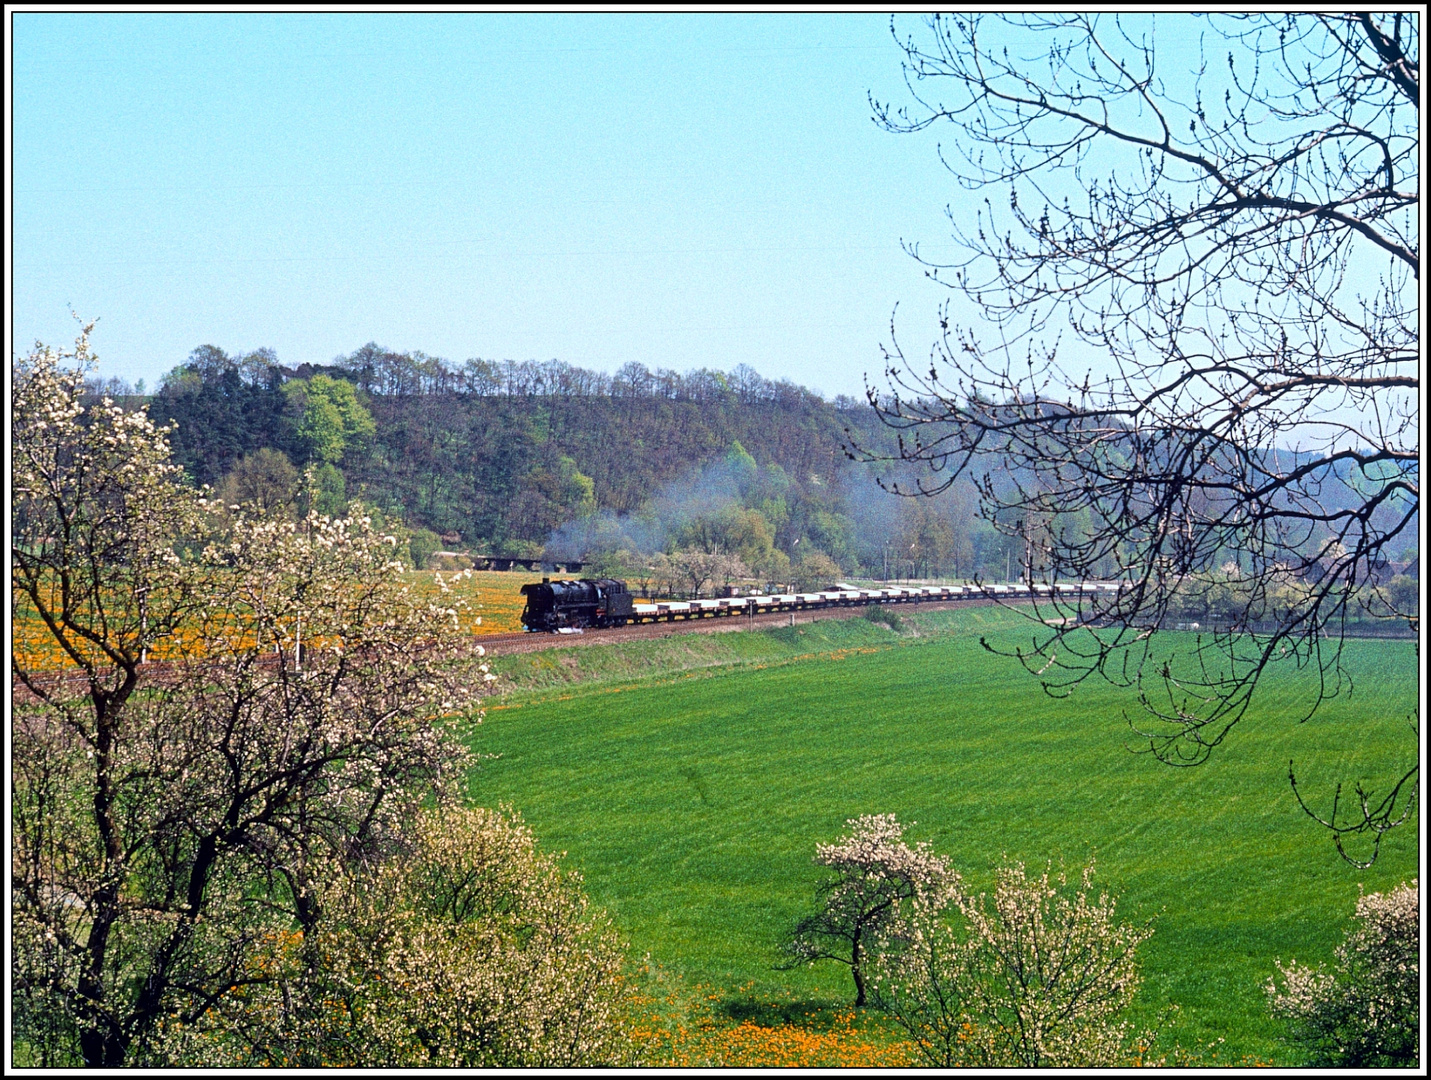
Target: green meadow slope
<point>690,779</point>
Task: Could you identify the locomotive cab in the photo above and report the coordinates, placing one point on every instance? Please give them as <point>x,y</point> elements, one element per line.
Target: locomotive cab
<point>557,605</point>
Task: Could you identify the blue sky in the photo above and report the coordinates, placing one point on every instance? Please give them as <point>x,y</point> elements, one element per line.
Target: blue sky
<point>679,190</point>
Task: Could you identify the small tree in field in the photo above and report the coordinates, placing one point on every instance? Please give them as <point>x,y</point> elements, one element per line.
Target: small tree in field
<point>693,569</point>
<point>1363,1013</point>
<point>874,871</point>
<point>1041,980</point>
<point>815,570</point>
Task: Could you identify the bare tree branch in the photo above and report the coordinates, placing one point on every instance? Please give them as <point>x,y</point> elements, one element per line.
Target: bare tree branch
<point>1231,256</point>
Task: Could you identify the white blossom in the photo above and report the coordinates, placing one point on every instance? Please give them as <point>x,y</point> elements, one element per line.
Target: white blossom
<point>1362,1013</point>
<point>271,763</point>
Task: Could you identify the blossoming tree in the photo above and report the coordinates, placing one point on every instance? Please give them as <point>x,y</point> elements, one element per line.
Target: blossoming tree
<point>1037,979</point>
<point>470,948</point>
<point>1365,1012</point>
<point>219,722</point>
<point>874,871</point>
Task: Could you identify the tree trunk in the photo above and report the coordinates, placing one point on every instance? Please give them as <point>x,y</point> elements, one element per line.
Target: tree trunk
<point>856,959</point>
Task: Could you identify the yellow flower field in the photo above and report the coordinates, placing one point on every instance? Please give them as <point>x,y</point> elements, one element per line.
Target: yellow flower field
<point>494,599</point>
<point>684,1030</point>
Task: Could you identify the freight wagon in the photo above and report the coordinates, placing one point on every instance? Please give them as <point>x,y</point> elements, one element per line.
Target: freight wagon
<point>555,606</point>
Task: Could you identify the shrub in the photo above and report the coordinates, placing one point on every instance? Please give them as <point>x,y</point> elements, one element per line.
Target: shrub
<point>815,570</point>
<point>1363,1013</point>
<point>878,613</point>
<point>1039,980</point>
<point>468,949</point>
<point>421,546</point>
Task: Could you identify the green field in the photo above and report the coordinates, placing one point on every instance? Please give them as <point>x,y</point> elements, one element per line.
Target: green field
<point>692,799</point>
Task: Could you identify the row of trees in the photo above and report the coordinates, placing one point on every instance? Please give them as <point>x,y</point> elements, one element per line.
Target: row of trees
<point>549,457</point>
<point>577,489</point>
<point>383,372</point>
<point>503,463</point>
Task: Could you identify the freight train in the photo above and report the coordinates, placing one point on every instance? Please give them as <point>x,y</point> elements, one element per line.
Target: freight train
<point>567,606</point>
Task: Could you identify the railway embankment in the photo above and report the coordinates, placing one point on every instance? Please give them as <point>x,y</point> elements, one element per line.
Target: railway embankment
<point>686,650</point>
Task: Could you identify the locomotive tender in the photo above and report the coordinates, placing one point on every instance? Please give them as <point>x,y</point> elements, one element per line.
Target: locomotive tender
<point>556,606</point>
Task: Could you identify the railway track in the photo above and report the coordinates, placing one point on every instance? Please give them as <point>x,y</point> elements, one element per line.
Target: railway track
<point>510,644</point>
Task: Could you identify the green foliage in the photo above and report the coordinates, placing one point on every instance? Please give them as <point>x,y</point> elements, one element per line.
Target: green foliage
<point>832,533</point>
<point>815,570</point>
<point>551,496</point>
<point>225,407</point>
<point>621,563</point>
<point>467,948</point>
<point>884,615</point>
<point>505,453</point>
<point>266,481</point>
<point>734,530</point>
<point>330,493</point>
<point>329,417</point>
<point>774,569</point>
<point>742,467</point>
<point>421,546</point>
<point>575,491</point>
<point>1403,594</point>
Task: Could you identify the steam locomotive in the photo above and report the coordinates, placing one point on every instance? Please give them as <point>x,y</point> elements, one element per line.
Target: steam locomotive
<point>553,606</point>
<point>567,606</point>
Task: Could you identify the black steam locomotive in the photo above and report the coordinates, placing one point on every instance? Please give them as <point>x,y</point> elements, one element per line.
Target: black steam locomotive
<point>571,605</point>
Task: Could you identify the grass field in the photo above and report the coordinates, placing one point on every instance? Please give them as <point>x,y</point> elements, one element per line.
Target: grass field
<point>692,800</point>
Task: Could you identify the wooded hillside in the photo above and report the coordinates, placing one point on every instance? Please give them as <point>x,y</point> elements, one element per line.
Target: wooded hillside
<point>525,458</point>
<point>515,457</point>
